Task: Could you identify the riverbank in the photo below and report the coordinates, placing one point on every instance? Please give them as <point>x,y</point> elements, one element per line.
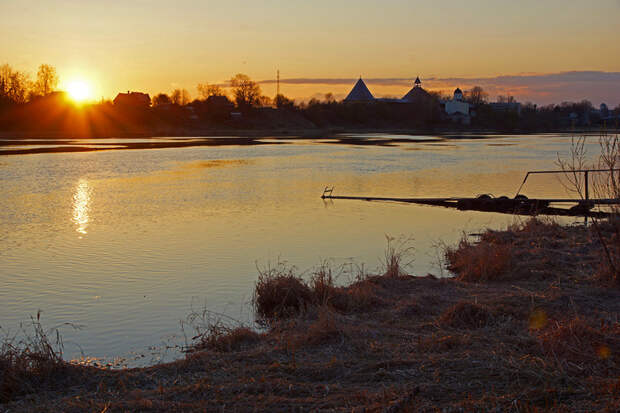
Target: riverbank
<point>530,322</point>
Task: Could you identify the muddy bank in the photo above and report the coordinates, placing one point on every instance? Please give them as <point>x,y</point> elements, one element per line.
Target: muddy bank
<point>531,322</point>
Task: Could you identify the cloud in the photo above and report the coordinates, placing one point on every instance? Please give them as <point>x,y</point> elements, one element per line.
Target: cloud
<point>542,88</point>
<point>342,81</point>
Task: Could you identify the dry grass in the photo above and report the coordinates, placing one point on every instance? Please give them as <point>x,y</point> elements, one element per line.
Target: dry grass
<point>398,256</point>
<point>476,262</point>
<point>533,249</point>
<point>280,293</point>
<point>578,344</point>
<point>387,344</point>
<point>322,284</point>
<point>327,328</point>
<point>222,338</point>
<point>466,315</point>
<point>359,297</point>
<point>608,272</point>
<point>30,362</point>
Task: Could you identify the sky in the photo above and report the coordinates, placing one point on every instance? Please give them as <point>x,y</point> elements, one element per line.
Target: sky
<point>542,51</point>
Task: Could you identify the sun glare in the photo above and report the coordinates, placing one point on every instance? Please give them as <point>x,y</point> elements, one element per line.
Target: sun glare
<point>79,90</point>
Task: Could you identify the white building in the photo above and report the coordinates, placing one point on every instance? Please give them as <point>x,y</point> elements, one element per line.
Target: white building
<point>457,109</point>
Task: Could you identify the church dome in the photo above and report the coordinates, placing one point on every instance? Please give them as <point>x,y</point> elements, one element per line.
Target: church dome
<point>458,91</point>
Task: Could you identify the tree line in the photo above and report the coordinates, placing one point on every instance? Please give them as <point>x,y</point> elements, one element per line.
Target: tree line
<point>21,108</point>
<point>17,87</point>
<point>246,93</point>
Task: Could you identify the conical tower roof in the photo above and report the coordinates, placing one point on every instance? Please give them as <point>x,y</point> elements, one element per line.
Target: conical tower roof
<point>359,93</point>
<point>416,93</point>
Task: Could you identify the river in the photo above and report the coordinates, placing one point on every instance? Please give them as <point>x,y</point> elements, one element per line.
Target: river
<point>126,243</point>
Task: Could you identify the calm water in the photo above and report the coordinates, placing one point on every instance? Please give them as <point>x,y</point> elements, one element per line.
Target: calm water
<point>126,243</point>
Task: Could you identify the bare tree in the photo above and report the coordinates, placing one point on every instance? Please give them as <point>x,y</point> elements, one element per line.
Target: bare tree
<point>206,90</point>
<point>506,99</point>
<point>606,185</point>
<point>47,80</point>
<point>477,95</point>
<point>245,90</point>
<point>577,161</point>
<point>13,85</point>
<point>180,97</point>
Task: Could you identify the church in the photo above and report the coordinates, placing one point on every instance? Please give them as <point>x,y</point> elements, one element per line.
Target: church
<point>456,108</point>
<point>361,94</point>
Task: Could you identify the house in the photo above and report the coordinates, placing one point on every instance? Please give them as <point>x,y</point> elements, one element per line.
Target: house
<point>133,100</point>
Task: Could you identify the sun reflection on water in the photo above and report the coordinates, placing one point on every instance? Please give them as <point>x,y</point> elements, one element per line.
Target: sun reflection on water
<point>81,199</point>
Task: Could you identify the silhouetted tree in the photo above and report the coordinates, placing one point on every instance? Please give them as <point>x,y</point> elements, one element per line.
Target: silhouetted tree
<point>161,99</point>
<point>477,96</point>
<point>206,90</point>
<point>47,80</point>
<point>13,85</point>
<point>282,102</point>
<point>180,97</point>
<point>264,101</point>
<point>245,91</point>
<point>506,99</point>
<point>329,98</point>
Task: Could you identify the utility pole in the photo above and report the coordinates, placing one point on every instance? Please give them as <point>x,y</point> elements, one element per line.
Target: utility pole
<point>278,83</point>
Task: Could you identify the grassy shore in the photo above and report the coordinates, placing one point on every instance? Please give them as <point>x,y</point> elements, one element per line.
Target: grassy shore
<point>530,323</point>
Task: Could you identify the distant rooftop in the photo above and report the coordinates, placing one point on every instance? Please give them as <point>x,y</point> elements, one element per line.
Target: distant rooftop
<point>133,99</point>
<point>359,93</point>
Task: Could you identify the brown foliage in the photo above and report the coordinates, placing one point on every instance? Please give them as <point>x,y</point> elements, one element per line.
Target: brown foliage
<point>608,272</point>
<point>28,364</point>
<point>485,261</point>
<point>465,315</point>
<point>220,338</point>
<point>280,293</point>
<point>327,328</point>
<point>577,341</point>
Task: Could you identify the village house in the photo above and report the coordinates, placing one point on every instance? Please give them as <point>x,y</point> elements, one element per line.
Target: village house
<point>133,99</point>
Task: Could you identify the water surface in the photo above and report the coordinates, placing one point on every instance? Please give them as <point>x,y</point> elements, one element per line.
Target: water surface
<point>126,242</point>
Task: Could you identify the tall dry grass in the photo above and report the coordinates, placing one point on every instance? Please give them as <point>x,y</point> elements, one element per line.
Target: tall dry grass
<point>398,256</point>
<point>30,360</point>
<point>475,262</point>
<point>216,331</point>
<point>605,185</point>
<point>280,293</point>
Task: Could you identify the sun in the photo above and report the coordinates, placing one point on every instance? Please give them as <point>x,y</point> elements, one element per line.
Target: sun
<point>79,90</point>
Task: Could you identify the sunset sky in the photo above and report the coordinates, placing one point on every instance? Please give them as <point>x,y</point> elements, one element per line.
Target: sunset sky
<point>520,47</point>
